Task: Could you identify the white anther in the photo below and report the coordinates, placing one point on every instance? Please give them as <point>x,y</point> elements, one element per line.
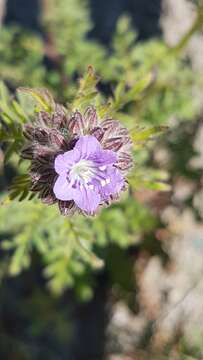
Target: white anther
<point>102,168</point>
<point>91,187</point>
<point>108,180</point>
<point>103,183</point>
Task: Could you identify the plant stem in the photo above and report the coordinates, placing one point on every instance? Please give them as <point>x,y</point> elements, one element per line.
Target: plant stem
<point>96,262</point>
<point>197,25</point>
<point>171,52</point>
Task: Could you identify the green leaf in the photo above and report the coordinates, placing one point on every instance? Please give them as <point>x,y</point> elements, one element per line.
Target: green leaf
<point>19,111</point>
<point>87,90</point>
<point>4,94</point>
<point>42,96</point>
<point>123,96</point>
<point>27,103</point>
<point>7,111</point>
<point>89,256</point>
<point>88,82</point>
<point>104,109</point>
<point>149,179</point>
<point>139,136</point>
<point>141,85</point>
<point>20,187</point>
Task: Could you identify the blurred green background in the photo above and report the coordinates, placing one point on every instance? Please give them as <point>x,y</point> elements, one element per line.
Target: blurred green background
<point>146,303</point>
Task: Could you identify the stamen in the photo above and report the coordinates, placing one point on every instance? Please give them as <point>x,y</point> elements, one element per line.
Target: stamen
<point>84,171</point>
<point>99,176</point>
<point>103,183</point>
<point>102,168</point>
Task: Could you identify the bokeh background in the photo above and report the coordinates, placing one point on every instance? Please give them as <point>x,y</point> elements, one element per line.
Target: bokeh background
<point>147,303</point>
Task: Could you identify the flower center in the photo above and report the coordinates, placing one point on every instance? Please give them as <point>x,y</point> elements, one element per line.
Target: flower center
<point>83,171</point>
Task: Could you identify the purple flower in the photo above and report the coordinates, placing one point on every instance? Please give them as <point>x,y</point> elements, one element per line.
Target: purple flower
<point>77,160</point>
<point>87,174</point>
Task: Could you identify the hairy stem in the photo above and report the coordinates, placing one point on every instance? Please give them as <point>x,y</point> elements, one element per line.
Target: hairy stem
<point>197,25</point>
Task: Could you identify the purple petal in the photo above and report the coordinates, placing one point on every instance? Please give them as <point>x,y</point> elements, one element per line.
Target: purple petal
<point>116,182</point>
<point>62,189</point>
<point>87,145</point>
<point>86,199</point>
<point>64,161</point>
<point>104,157</point>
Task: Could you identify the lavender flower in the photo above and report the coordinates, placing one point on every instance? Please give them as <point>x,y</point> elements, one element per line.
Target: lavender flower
<point>77,161</point>
<point>87,174</point>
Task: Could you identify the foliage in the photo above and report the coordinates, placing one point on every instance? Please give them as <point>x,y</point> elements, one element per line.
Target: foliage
<point>68,257</point>
<point>65,246</point>
<point>69,52</point>
<point>21,54</point>
<point>146,83</point>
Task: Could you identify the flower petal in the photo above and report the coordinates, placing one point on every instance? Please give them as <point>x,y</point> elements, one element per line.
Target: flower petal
<point>87,145</point>
<point>86,199</point>
<point>64,161</point>
<point>115,183</point>
<point>62,189</point>
<point>104,157</point>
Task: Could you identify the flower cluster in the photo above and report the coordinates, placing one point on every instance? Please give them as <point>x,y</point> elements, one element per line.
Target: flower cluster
<point>77,161</point>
